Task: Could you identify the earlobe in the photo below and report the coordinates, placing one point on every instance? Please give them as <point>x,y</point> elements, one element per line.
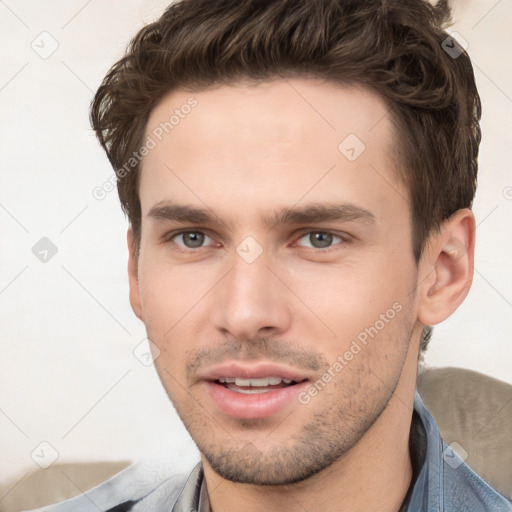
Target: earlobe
<point>448,267</point>
<point>133,275</point>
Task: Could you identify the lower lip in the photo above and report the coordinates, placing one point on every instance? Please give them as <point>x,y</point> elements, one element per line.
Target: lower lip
<point>255,405</point>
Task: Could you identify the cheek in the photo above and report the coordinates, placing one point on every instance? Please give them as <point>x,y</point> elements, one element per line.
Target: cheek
<point>169,293</point>
<point>365,315</point>
<point>349,298</point>
<point>174,302</point>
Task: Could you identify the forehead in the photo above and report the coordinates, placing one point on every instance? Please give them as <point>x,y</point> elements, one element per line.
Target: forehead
<point>281,108</point>
<point>271,142</point>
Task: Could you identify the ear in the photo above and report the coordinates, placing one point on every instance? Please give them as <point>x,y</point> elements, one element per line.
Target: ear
<point>133,274</point>
<point>446,268</point>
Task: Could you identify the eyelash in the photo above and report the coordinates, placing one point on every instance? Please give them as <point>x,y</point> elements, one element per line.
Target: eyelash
<point>343,237</point>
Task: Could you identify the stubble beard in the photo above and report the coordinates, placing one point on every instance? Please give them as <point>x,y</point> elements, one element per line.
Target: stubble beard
<point>320,443</point>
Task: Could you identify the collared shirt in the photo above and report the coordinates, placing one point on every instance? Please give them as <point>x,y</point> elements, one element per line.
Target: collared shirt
<point>441,482</point>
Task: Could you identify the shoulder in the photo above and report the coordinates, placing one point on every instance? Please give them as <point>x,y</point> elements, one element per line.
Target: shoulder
<point>465,490</point>
<point>149,482</point>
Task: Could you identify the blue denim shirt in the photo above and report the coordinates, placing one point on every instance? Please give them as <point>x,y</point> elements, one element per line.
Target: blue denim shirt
<point>442,483</point>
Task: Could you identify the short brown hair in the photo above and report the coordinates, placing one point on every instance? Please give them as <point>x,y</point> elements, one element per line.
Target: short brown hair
<point>398,48</point>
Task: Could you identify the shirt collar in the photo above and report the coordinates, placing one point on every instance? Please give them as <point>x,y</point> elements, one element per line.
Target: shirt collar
<point>427,489</point>
<point>189,499</point>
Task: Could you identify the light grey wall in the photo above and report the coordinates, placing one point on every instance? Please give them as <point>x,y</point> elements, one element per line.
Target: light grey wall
<point>68,373</point>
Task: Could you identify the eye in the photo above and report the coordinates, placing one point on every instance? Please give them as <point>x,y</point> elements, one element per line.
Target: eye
<point>319,240</point>
<point>191,239</point>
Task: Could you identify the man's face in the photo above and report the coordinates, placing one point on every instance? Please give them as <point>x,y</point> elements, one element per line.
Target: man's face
<point>276,247</point>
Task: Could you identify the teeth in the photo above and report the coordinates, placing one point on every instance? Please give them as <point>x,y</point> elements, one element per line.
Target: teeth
<point>249,391</point>
<point>265,381</point>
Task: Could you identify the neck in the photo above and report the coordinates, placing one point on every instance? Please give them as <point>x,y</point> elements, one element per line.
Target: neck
<point>374,475</point>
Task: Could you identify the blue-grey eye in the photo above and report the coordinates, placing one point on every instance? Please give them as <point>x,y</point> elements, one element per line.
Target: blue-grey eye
<point>319,239</point>
<point>191,239</point>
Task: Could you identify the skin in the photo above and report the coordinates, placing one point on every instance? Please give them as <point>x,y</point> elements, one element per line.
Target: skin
<point>245,152</point>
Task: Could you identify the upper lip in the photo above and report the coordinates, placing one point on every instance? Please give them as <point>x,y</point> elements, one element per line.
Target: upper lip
<point>251,370</point>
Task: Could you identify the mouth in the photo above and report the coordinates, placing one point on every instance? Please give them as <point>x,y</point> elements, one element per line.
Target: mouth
<point>253,390</point>
<point>254,386</point>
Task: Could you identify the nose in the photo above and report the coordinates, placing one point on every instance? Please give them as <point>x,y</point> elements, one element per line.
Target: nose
<point>250,301</point>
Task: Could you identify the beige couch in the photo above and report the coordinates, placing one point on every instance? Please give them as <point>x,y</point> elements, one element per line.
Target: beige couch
<point>471,409</point>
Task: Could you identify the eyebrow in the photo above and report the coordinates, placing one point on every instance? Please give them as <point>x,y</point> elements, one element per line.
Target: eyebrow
<point>309,214</point>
